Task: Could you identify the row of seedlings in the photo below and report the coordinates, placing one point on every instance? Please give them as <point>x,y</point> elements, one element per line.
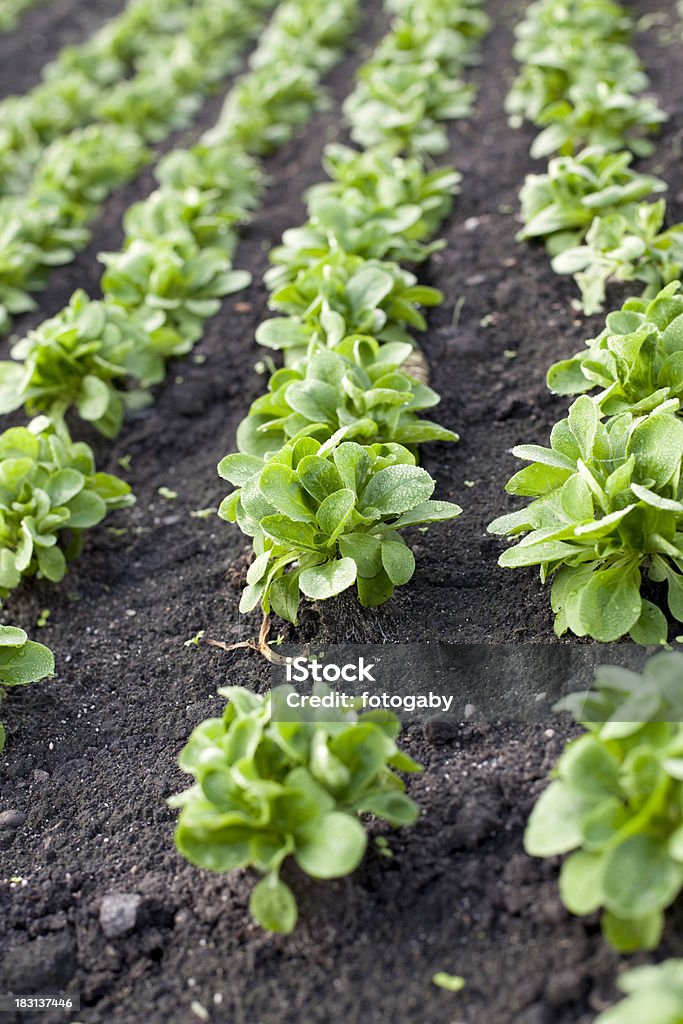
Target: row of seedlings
<point>326,472</point>
<point>140,78</point>
<point>97,358</point>
<point>607,492</point>
<point>591,208</point>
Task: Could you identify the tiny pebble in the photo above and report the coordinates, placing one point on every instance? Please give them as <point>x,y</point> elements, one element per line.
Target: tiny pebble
<point>12,819</point>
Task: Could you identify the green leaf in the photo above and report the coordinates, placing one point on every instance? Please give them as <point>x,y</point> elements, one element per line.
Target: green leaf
<point>325,581</point>
<point>640,878</point>
<point>398,561</point>
<point>333,846</point>
<point>397,489</point>
<point>280,486</point>
<point>609,604</point>
<point>581,882</point>
<point>633,934</point>
<point>272,904</point>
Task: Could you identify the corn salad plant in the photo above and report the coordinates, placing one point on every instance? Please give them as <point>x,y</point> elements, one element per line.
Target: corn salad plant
<point>175,266</point>
<point>269,787</point>
<point>616,803</point>
<point>324,517</point>
<point>652,992</point>
<point>325,472</point>
<point>22,661</point>
<point>50,492</point>
<point>607,508</point>
<point>99,358</point>
<point>580,82</point>
<point>46,225</point>
<point>636,361</point>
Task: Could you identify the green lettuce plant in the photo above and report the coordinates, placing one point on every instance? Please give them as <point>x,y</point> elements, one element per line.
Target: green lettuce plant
<point>359,387</point>
<point>376,206</point>
<point>269,786</point>
<point>49,494</point>
<point>576,101</point>
<point>632,245</point>
<point>607,507</point>
<point>79,170</point>
<point>21,662</point>
<point>636,361</point>
<point>325,518</point>
<point>560,205</point>
<point>616,803</point>
<point>171,288</point>
<point>653,992</point>
<point>341,295</point>
<point>83,358</point>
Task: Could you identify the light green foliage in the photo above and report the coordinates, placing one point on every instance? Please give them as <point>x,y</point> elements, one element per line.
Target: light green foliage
<point>359,386</point>
<point>176,262</point>
<point>636,361</point>
<point>580,83</point>
<point>325,518</point>
<point>83,357</point>
<point>580,79</point>
<point>560,205</point>
<point>616,804</point>
<point>46,227</point>
<point>629,246</point>
<point>21,662</point>
<point>266,789</point>
<point>607,507</point>
<point>74,175</point>
<point>49,494</point>
<point>653,992</point>
<point>412,82</point>
<point>375,205</point>
<point>341,295</point>
<point>349,309</point>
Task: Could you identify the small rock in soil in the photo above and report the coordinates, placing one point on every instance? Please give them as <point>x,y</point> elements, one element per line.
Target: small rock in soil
<point>40,776</point>
<point>441,728</point>
<point>12,819</point>
<point>119,913</point>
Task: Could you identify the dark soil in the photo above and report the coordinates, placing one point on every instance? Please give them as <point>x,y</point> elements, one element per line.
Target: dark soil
<point>42,32</point>
<point>92,754</point>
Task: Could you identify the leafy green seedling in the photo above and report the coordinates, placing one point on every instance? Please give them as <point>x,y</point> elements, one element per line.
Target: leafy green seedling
<point>83,358</point>
<point>560,205</point>
<point>608,505</point>
<point>616,800</point>
<point>167,493</point>
<point>22,661</point>
<point>266,789</point>
<point>49,494</point>
<point>42,619</point>
<point>195,640</point>
<point>653,992</point>
<point>451,982</point>
<point>628,246</point>
<point>636,361</point>
<point>360,386</point>
<point>325,518</point>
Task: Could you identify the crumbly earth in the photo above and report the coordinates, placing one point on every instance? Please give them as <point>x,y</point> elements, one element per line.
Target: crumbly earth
<point>92,754</point>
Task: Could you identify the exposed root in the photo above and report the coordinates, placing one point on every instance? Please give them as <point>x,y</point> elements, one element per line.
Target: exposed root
<point>261,645</point>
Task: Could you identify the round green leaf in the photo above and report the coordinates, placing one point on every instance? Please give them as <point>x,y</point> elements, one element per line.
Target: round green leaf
<point>333,847</point>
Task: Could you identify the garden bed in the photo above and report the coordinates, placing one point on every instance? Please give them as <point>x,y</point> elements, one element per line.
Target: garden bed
<point>94,752</point>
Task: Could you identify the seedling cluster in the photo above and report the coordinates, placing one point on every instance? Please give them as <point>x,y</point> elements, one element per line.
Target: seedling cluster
<point>326,466</point>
